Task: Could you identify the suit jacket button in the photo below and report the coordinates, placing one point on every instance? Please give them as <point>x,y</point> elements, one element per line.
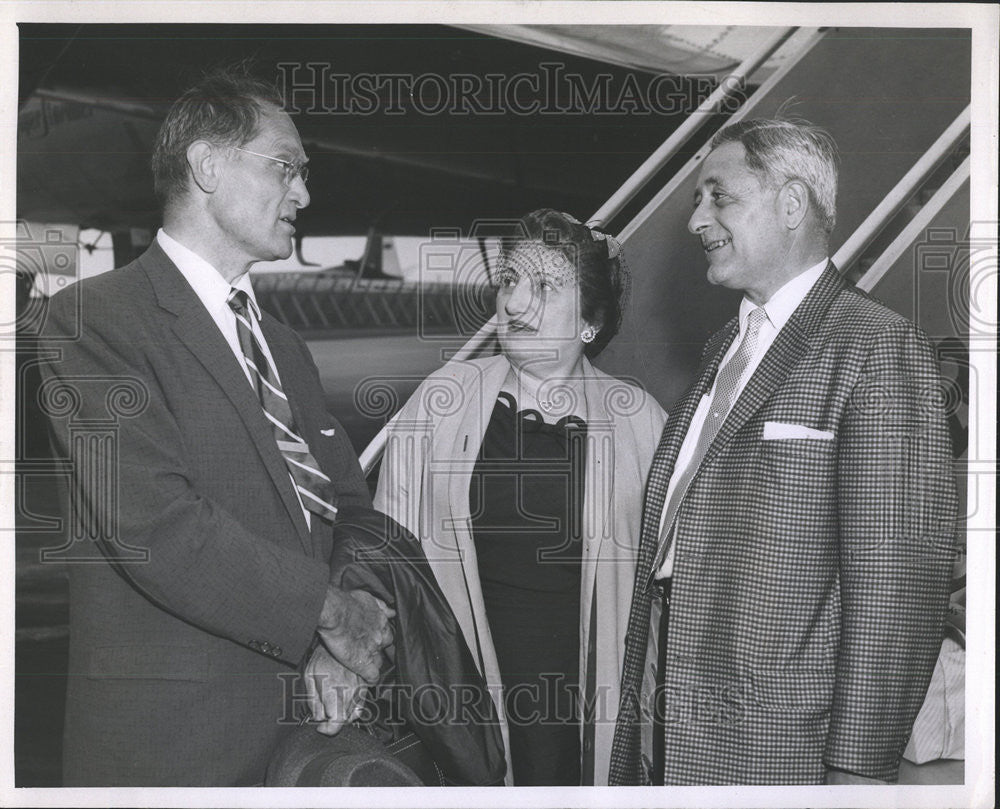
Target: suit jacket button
<point>276,651</point>
<point>255,645</point>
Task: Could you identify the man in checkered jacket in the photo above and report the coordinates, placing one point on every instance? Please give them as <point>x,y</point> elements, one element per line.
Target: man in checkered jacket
<point>799,516</point>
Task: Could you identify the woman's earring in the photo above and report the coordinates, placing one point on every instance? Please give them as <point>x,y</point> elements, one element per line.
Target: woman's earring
<point>588,334</point>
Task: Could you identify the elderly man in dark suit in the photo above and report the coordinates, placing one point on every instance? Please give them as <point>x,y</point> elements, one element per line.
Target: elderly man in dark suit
<point>213,583</point>
<point>799,514</point>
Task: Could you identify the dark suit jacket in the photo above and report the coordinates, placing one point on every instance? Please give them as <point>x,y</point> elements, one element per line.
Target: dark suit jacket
<point>811,572</point>
<point>182,663</point>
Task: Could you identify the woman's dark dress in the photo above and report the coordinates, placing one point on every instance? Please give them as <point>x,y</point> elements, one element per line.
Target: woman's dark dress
<point>526,497</point>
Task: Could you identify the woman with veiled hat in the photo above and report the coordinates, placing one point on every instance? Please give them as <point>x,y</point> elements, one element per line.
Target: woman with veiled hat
<point>522,475</point>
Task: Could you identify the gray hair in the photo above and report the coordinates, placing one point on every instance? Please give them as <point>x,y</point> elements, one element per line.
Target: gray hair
<point>223,108</point>
<point>780,150</point>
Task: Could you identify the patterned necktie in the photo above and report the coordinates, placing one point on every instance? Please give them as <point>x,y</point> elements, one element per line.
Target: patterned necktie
<point>722,402</point>
<point>315,488</point>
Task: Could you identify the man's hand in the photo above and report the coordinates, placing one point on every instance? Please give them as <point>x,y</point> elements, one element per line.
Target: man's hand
<point>354,626</point>
<point>335,694</point>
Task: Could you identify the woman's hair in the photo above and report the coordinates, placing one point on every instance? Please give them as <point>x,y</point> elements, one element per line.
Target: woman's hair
<point>600,267</point>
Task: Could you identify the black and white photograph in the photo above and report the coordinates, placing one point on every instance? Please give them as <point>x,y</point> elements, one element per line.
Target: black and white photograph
<point>498,404</point>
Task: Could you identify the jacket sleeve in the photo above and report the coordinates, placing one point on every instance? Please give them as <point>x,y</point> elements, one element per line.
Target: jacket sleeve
<point>201,564</point>
<point>897,509</point>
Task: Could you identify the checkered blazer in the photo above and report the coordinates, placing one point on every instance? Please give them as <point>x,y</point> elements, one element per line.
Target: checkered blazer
<point>811,569</point>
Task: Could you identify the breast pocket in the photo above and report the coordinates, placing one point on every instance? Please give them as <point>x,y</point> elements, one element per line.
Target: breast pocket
<point>789,457</point>
<point>799,473</point>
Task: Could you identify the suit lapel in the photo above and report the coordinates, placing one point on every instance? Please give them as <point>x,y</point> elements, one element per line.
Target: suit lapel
<point>787,349</point>
<point>662,467</point>
<point>195,328</point>
<point>627,735</point>
<point>676,429</point>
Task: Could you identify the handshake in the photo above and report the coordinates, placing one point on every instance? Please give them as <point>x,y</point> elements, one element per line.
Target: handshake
<point>354,628</point>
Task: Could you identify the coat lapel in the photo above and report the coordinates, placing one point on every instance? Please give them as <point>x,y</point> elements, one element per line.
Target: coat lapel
<point>457,440</point>
<point>787,349</point>
<point>674,432</point>
<point>195,328</point>
<point>627,741</point>
<point>604,461</point>
<point>599,463</point>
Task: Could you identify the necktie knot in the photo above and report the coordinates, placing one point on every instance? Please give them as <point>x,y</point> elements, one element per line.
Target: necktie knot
<point>238,301</point>
<point>755,320</point>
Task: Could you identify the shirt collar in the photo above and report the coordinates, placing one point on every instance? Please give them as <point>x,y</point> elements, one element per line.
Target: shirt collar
<point>206,281</point>
<point>783,303</point>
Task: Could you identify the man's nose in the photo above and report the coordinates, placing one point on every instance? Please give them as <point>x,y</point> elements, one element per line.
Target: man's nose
<point>298,192</point>
<point>699,220</point>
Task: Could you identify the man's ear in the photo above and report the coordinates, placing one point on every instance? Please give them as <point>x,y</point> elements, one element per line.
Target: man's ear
<point>794,203</point>
<point>204,163</point>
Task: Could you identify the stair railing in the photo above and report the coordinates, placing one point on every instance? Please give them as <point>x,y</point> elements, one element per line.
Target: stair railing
<point>893,202</point>
<point>914,228</point>
<point>663,154</point>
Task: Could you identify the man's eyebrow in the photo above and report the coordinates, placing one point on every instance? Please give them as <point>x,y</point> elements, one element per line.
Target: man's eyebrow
<point>289,148</point>
<point>708,182</point>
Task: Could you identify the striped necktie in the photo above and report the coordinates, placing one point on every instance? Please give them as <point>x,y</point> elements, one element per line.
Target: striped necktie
<point>722,402</point>
<point>315,488</point>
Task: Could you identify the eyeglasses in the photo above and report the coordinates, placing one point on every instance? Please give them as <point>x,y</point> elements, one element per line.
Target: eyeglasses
<point>292,170</point>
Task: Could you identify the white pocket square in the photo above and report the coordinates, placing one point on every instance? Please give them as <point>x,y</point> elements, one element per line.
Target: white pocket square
<point>776,431</point>
<point>329,432</point>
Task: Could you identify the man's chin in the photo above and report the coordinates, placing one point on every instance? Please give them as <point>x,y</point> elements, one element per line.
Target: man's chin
<point>725,275</point>
<point>278,251</point>
<point>717,274</point>
<point>281,252</point>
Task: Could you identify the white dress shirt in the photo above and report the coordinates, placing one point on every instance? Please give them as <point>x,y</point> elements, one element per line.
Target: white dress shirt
<point>213,291</point>
<point>779,309</point>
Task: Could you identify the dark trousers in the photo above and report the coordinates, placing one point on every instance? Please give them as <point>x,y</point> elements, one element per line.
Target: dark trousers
<point>660,703</point>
